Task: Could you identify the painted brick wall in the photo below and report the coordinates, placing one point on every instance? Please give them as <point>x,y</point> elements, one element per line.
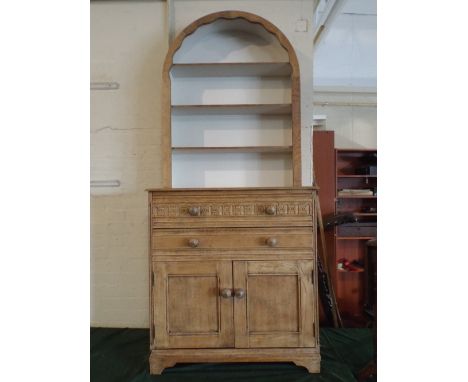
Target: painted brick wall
<point>128,45</point>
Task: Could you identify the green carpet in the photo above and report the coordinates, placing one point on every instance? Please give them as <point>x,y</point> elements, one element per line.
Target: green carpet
<point>121,355</point>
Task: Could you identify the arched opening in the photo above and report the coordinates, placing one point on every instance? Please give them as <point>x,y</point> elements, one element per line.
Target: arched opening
<point>231,105</point>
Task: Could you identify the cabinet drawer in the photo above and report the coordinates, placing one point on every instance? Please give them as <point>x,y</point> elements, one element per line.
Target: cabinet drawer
<point>229,209</point>
<point>232,240</point>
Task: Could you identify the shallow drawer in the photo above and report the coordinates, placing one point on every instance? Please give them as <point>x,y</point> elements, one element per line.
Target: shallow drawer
<point>232,240</point>
<point>174,209</point>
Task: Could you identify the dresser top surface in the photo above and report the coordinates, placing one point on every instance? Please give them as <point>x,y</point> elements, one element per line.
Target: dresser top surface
<point>235,189</point>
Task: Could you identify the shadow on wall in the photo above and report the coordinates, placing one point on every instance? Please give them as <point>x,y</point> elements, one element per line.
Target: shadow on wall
<point>238,40</point>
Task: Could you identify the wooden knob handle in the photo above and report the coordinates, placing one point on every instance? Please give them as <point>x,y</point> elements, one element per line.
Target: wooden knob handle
<point>225,293</point>
<point>270,210</point>
<point>239,293</point>
<point>194,243</point>
<point>194,211</point>
<point>272,241</point>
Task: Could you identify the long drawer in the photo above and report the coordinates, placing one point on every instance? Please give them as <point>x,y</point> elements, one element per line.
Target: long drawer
<point>172,209</point>
<point>239,239</point>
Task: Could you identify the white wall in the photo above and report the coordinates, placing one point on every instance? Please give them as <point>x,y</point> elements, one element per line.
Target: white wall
<point>284,14</point>
<point>129,41</point>
<point>345,72</point>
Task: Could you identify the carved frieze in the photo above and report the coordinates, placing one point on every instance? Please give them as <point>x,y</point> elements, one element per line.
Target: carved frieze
<point>232,209</point>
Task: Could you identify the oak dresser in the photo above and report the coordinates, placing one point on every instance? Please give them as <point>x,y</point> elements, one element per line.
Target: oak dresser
<point>232,234</point>
<point>233,276</point>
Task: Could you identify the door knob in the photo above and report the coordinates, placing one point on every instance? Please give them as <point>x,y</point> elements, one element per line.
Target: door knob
<point>239,293</point>
<point>272,241</point>
<point>225,293</point>
<point>194,211</point>
<point>194,243</point>
<point>270,210</point>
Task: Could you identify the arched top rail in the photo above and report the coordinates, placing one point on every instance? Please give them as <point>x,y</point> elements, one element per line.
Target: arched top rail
<point>230,15</point>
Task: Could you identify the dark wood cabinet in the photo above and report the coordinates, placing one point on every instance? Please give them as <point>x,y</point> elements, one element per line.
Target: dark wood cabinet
<point>347,181</point>
<point>356,192</point>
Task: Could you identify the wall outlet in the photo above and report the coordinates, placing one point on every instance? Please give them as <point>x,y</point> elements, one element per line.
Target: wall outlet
<point>301,25</point>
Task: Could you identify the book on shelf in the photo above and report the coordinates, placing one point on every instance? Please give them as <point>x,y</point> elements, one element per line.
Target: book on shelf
<point>355,191</point>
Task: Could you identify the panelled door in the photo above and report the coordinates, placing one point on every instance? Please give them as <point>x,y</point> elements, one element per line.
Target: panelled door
<point>266,304</point>
<point>274,304</point>
<point>189,311</point>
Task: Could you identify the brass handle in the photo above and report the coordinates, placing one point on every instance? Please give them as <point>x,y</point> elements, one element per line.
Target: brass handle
<point>270,210</point>
<point>225,293</point>
<point>194,211</point>
<point>272,241</point>
<point>239,293</point>
<point>194,243</point>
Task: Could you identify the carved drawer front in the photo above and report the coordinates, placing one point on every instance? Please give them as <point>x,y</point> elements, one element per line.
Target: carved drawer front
<point>237,211</point>
<point>258,239</point>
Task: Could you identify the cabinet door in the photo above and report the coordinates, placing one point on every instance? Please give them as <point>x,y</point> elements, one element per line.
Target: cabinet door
<point>277,308</point>
<point>188,309</point>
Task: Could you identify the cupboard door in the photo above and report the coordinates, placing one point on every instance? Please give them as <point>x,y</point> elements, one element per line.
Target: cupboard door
<point>274,304</point>
<point>189,311</point>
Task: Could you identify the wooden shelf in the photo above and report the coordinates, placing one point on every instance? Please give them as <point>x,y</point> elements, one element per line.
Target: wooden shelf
<point>356,197</point>
<point>356,176</point>
<point>355,237</point>
<point>358,213</point>
<point>239,149</point>
<point>345,271</point>
<point>357,151</point>
<point>232,109</point>
<point>232,69</point>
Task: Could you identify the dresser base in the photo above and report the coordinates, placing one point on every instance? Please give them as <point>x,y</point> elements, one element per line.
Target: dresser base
<point>306,357</point>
